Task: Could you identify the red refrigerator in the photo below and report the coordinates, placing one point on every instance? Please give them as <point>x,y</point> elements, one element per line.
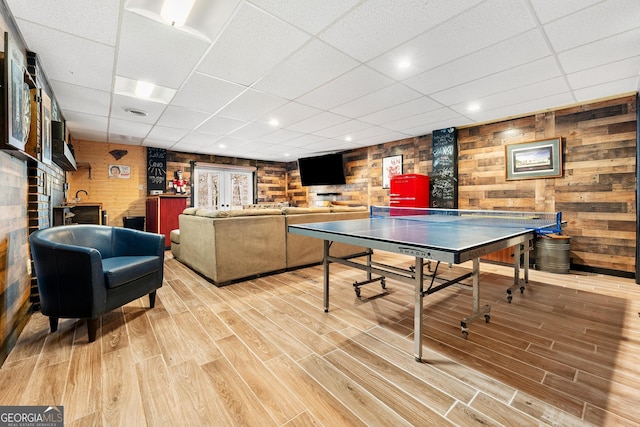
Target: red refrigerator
<point>409,190</point>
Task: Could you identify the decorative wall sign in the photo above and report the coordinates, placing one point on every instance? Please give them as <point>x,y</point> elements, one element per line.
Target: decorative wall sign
<point>535,159</point>
<point>119,171</point>
<point>444,177</point>
<point>156,169</point>
<point>391,166</point>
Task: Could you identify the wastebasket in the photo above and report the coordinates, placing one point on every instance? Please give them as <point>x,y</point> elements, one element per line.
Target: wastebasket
<point>135,222</point>
<point>552,253</point>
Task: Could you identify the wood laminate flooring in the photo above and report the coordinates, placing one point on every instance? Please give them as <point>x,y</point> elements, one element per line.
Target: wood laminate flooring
<point>262,352</point>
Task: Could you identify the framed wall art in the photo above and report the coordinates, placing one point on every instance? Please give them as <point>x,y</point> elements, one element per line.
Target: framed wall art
<point>391,166</point>
<point>535,159</point>
<point>17,96</point>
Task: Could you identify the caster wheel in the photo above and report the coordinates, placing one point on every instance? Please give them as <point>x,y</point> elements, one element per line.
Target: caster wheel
<point>357,292</point>
<point>487,318</point>
<point>522,289</point>
<point>465,334</point>
<point>509,298</point>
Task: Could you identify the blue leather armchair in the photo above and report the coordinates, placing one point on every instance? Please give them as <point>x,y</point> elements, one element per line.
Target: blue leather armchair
<point>84,271</point>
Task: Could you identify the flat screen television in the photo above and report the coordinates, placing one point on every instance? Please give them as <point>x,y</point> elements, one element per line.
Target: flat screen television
<point>322,170</point>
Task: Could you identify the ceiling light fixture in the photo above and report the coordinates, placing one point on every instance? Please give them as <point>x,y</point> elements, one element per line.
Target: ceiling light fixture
<point>175,12</point>
<point>274,122</point>
<point>144,89</point>
<point>473,107</point>
<point>405,63</point>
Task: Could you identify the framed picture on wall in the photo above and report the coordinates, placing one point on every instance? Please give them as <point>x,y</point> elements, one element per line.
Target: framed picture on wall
<point>17,101</point>
<point>535,159</point>
<point>391,166</point>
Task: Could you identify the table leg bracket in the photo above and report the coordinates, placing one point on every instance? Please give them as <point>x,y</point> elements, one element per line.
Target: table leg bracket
<point>482,312</point>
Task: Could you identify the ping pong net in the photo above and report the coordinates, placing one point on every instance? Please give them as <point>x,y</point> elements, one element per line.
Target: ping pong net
<point>541,222</point>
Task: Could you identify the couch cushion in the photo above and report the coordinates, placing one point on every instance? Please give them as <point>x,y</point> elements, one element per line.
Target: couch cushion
<point>175,236</point>
<point>345,208</point>
<point>297,211</point>
<point>123,269</point>
<point>253,212</point>
<point>190,211</point>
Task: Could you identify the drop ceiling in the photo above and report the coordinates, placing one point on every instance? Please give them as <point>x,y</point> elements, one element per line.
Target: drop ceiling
<point>278,80</point>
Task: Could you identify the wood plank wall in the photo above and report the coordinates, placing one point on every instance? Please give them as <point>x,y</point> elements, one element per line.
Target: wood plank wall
<point>14,251</point>
<point>119,197</point>
<point>596,193</point>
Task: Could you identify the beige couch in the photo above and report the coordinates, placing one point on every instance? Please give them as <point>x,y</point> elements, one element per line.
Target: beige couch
<point>225,246</point>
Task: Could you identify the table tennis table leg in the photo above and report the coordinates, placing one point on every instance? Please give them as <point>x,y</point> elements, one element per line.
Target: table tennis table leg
<point>326,275</point>
<point>417,316</point>
<point>477,310</point>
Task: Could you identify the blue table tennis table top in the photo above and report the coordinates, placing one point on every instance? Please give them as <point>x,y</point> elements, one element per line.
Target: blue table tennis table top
<point>441,237</point>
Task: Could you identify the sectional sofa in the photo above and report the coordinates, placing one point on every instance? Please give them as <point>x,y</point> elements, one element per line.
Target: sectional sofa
<point>227,246</point>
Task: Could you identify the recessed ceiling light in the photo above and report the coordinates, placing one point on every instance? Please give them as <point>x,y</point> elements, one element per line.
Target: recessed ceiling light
<point>136,112</point>
<point>274,122</point>
<point>287,154</point>
<point>404,63</point>
<point>175,12</point>
<point>348,139</point>
<point>473,107</point>
<point>222,146</point>
<point>144,89</point>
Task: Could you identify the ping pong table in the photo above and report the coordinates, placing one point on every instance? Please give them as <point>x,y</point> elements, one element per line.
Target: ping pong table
<point>449,236</point>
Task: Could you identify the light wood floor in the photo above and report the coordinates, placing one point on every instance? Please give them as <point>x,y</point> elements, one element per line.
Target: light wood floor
<point>263,353</point>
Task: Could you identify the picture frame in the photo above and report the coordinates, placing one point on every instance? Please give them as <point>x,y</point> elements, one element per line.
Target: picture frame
<point>391,166</point>
<point>17,103</point>
<point>534,159</point>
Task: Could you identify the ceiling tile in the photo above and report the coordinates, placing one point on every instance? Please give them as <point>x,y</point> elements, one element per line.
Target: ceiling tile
<point>146,47</point>
<point>218,125</point>
<point>281,136</point>
<point>376,26</point>
<point>86,122</point>
<point>477,28</point>
<point>410,108</point>
<point>345,88</point>
<point>549,10</point>
<point>420,120</point>
<point>616,48</point>
<point>206,93</point>
<point>586,26</point>
<point>182,118</point>
<point>251,105</point>
<point>518,50</point>
<point>315,123</point>
<point>627,68</point>
<point>90,19</point>
<point>316,61</point>
<point>309,15</point>
<point>289,113</point>
<point>342,130</point>
<point>378,100</point>
<point>166,134</point>
<point>81,99</point>
<point>127,128</point>
<point>631,84</point>
<point>527,74</point>
<point>70,59</point>
<point>251,34</point>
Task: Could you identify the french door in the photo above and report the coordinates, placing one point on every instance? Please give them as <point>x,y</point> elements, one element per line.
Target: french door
<point>222,188</point>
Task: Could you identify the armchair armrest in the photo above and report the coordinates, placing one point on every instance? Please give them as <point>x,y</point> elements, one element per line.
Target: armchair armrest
<point>130,242</point>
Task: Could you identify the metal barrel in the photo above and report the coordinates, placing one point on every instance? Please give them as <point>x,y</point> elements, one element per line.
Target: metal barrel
<point>552,254</point>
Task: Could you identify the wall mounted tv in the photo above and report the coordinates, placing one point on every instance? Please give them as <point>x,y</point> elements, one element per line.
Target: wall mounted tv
<point>322,170</point>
